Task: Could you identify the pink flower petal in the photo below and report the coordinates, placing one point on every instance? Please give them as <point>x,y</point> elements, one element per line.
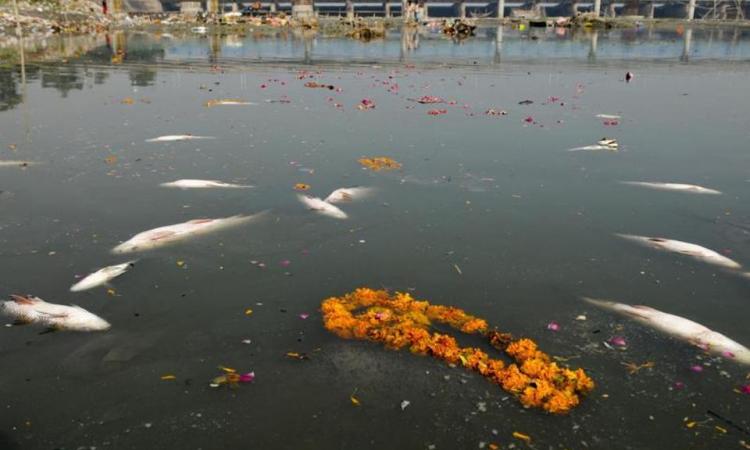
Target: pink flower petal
<point>679,385</point>
<point>618,341</point>
<point>553,326</point>
<point>247,377</point>
<point>696,368</point>
<point>745,389</point>
<point>304,316</point>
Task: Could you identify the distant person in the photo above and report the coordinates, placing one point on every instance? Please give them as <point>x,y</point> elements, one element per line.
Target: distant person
<point>104,7</point>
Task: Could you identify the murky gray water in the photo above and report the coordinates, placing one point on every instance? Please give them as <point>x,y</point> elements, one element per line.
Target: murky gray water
<point>529,224</point>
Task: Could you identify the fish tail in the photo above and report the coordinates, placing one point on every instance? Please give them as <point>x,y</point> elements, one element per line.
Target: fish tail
<point>605,304</point>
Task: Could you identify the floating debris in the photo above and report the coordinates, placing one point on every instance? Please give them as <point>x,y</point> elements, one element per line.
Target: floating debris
<point>313,84</point>
<point>231,378</point>
<point>366,104</point>
<point>378,163</point>
<point>496,112</point>
<point>634,368</point>
<point>429,100</point>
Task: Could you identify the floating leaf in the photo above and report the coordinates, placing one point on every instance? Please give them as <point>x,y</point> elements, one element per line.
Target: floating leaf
<point>354,400</point>
<point>521,436</point>
<point>168,377</point>
<point>248,312</point>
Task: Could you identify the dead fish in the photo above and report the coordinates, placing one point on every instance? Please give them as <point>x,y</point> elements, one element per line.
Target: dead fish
<point>608,116</point>
<point>679,327</point>
<point>102,276</point>
<point>17,163</point>
<point>203,184</point>
<point>678,187</point>
<point>684,248</point>
<point>28,309</point>
<point>593,148</point>
<point>348,194</point>
<point>322,206</point>
<point>177,137</point>
<point>170,234</point>
<point>227,102</point>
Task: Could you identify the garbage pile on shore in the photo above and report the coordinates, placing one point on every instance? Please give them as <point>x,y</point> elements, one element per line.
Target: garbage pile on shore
<point>40,18</point>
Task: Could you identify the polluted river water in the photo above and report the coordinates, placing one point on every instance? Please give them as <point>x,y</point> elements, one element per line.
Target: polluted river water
<point>487,210</point>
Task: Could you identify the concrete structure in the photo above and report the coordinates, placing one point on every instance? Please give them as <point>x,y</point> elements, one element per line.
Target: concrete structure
<point>303,9</point>
<point>191,7</point>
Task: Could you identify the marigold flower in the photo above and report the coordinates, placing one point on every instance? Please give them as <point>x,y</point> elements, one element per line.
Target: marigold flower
<point>399,320</point>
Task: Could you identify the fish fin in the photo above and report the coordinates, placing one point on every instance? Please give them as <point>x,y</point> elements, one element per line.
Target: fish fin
<point>22,299</point>
<point>48,330</point>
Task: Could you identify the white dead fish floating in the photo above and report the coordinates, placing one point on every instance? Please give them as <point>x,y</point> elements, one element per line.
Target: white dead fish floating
<point>608,144</point>
<point>681,328</point>
<point>102,276</point>
<point>348,194</point>
<point>178,137</point>
<point>227,102</point>
<point>170,234</point>
<point>21,164</point>
<point>684,248</point>
<point>204,184</point>
<point>322,206</point>
<point>34,310</point>
<point>592,148</point>
<point>199,30</point>
<point>608,116</point>
<point>676,187</point>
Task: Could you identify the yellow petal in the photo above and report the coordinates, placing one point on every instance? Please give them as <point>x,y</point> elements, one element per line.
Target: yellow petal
<point>168,377</point>
<point>354,400</point>
<point>521,436</point>
<point>227,369</point>
<point>248,311</point>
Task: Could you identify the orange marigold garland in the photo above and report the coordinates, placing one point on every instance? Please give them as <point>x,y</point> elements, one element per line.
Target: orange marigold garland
<point>401,321</point>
